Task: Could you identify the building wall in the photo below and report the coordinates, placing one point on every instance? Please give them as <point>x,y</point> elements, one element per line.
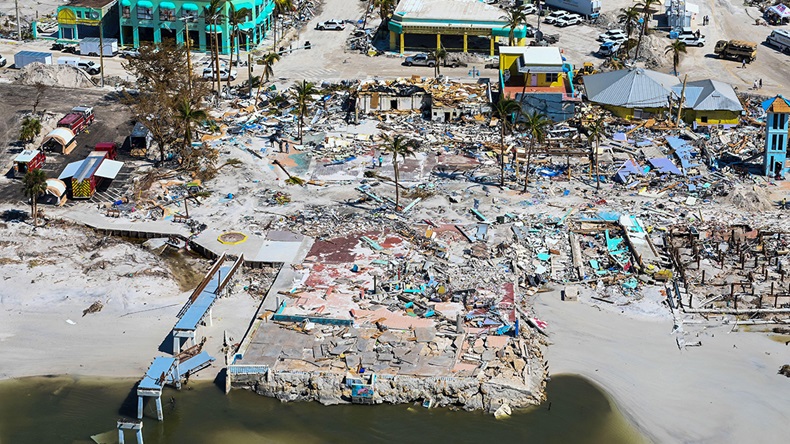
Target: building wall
<point>776,140</point>
<point>370,102</point>
<point>630,113</point>
<point>76,22</point>
<point>140,23</point>
<point>712,117</point>
<point>553,105</point>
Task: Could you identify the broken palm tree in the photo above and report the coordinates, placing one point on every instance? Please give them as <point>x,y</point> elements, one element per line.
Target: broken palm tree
<point>292,180</point>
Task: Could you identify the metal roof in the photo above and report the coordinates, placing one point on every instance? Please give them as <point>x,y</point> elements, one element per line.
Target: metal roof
<point>709,95</point>
<point>26,156</point>
<point>630,88</point>
<point>448,10</point>
<point>109,169</point>
<point>89,166</point>
<point>71,169</point>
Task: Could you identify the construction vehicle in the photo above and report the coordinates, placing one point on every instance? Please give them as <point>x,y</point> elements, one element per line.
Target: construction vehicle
<point>736,50</point>
<point>587,69</point>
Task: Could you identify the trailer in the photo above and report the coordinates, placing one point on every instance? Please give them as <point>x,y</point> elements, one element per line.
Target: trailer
<point>84,176</point>
<point>587,8</point>
<point>78,119</point>
<point>140,140</point>
<point>91,46</point>
<point>24,58</point>
<point>28,160</point>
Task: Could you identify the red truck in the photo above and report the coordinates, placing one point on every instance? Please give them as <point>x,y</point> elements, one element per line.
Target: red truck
<point>85,175</point>
<point>111,148</point>
<point>78,119</point>
<point>28,160</point>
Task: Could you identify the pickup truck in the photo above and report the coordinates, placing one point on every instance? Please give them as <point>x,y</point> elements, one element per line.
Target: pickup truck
<point>424,59</point>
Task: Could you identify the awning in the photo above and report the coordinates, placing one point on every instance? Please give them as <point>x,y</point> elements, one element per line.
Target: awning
<point>62,135</point>
<point>71,169</point>
<point>145,4</point>
<point>109,169</point>
<point>126,3</point>
<point>166,5</point>
<point>189,7</point>
<point>214,28</point>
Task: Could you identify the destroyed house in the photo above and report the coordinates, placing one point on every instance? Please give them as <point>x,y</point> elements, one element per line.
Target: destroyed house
<point>392,96</point>
<point>540,79</point>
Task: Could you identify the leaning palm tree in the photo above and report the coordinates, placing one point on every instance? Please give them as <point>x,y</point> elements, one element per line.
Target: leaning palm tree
<point>439,56</point>
<point>398,146</point>
<point>188,114</point>
<point>268,61</point>
<point>646,9</point>
<point>235,18</point>
<point>34,185</point>
<point>629,17</point>
<point>213,17</point>
<point>303,92</point>
<point>595,131</point>
<point>280,8</point>
<point>536,125</point>
<point>675,48</point>
<point>504,110</point>
<point>385,8</point>
<point>31,127</point>
<point>515,18</point>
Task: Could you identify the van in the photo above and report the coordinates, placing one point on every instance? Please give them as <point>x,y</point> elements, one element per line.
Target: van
<point>73,61</point>
<point>779,39</point>
<point>85,65</point>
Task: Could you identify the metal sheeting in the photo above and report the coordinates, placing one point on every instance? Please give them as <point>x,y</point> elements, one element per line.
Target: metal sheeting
<point>109,169</point>
<point>634,88</point>
<point>709,95</point>
<point>71,169</point>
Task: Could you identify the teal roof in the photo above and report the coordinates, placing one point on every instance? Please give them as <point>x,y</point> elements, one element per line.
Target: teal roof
<point>189,7</point>
<point>167,5</point>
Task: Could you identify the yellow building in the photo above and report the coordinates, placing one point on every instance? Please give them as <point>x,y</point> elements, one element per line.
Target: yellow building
<point>709,102</point>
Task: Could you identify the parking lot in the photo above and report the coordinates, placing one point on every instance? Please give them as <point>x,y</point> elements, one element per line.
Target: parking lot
<point>112,124</point>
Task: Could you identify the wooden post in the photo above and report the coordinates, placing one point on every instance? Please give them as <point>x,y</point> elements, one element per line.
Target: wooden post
<point>703,277</point>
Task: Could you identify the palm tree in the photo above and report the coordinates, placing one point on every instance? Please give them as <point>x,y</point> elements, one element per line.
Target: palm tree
<point>280,8</point>
<point>629,18</point>
<point>398,146</point>
<point>268,61</point>
<point>303,92</point>
<point>34,185</point>
<point>515,18</point>
<point>439,55</point>
<point>31,127</point>
<point>594,133</point>
<point>676,48</point>
<point>504,110</point>
<point>645,7</point>
<point>188,113</point>
<point>536,125</point>
<point>213,16</point>
<point>386,7</point>
<point>236,18</point>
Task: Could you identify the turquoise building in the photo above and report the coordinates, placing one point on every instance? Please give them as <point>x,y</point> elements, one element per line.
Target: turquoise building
<point>776,129</point>
<point>156,21</point>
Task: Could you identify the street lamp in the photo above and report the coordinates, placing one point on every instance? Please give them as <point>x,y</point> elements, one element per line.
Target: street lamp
<point>186,19</point>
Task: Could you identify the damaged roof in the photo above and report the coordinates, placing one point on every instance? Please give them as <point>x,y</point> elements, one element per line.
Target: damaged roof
<point>630,88</point>
<point>709,95</point>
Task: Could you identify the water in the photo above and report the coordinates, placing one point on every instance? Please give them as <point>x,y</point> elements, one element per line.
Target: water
<point>68,410</point>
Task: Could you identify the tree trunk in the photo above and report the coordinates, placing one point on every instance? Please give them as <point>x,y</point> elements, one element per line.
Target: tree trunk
<point>301,124</point>
<point>597,172</point>
<point>33,210</point>
<point>274,32</point>
<point>232,45</point>
<point>529,160</point>
<point>397,181</point>
<point>502,154</point>
<point>216,60</point>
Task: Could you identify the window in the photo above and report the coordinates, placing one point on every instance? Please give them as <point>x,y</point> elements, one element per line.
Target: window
<point>166,15</point>
<point>78,14</point>
<point>774,142</point>
<point>552,77</point>
<point>191,15</point>
<point>126,12</point>
<point>704,119</point>
<point>144,13</point>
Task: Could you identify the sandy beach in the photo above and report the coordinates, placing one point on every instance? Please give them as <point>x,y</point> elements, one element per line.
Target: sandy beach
<point>725,391</point>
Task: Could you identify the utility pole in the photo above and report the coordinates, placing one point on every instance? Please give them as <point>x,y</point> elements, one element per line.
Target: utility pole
<point>101,45</point>
<point>249,71</point>
<point>18,23</point>
<point>186,20</point>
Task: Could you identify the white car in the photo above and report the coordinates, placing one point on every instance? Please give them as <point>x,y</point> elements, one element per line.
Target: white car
<point>529,9</point>
<point>693,40</point>
<point>554,16</point>
<point>208,73</point>
<point>331,25</point>
<point>3,61</point>
<point>568,20</point>
<point>613,35</point>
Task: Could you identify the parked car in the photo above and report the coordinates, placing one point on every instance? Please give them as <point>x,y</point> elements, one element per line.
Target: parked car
<point>208,73</point>
<point>692,40</point>
<point>529,9</point>
<point>3,61</point>
<point>89,67</point>
<point>130,53</point>
<point>554,16</point>
<point>608,48</point>
<point>424,59</point>
<point>331,25</point>
<point>568,20</point>
<point>614,35</point>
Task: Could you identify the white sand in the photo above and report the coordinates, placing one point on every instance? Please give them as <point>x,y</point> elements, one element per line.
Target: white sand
<point>715,393</point>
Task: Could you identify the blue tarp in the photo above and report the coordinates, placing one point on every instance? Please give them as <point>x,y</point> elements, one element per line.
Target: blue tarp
<point>683,151</point>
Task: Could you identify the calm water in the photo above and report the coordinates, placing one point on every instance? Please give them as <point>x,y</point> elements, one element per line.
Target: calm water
<point>68,410</point>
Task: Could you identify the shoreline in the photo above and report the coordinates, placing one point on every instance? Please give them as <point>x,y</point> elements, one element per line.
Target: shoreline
<point>664,391</point>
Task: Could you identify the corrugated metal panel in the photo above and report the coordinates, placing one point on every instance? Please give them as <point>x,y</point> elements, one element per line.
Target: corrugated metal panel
<point>710,95</point>
<point>636,88</point>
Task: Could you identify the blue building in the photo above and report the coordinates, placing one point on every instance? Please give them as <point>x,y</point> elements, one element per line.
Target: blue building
<point>776,128</point>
